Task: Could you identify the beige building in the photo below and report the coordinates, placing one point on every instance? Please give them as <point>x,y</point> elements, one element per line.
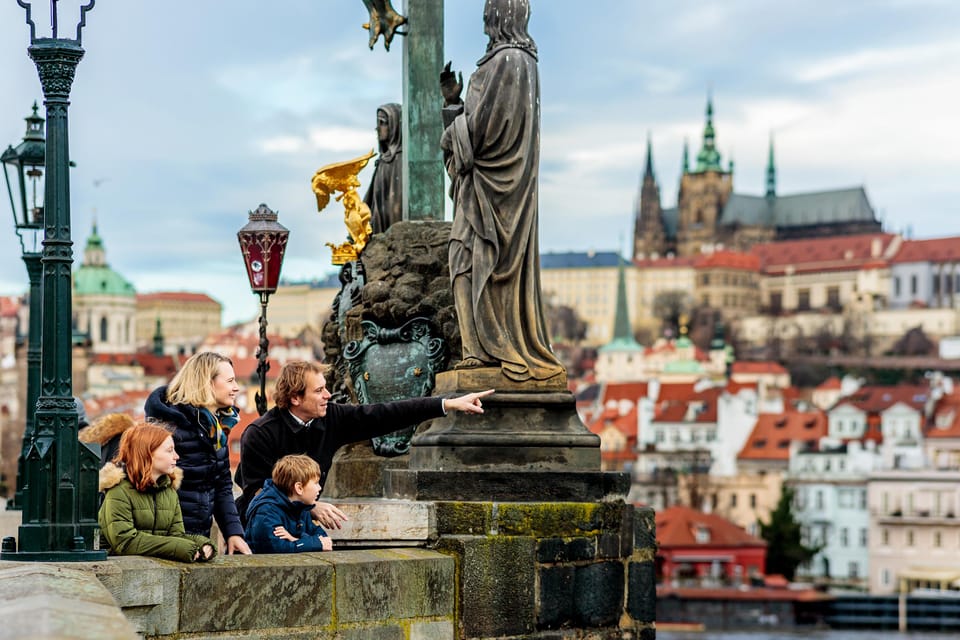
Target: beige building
<point>185,318</point>
<point>299,305</point>
<point>915,531</point>
<point>658,275</point>
<point>587,283</point>
<point>746,498</point>
<point>728,281</point>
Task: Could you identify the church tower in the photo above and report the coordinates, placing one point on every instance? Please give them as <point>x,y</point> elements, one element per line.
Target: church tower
<point>703,193</point>
<point>649,234</point>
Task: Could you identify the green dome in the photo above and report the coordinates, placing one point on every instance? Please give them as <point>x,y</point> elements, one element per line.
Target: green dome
<point>100,280</point>
<point>683,366</point>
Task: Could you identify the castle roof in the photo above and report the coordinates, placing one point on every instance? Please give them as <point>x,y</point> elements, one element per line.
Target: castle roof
<point>837,206</point>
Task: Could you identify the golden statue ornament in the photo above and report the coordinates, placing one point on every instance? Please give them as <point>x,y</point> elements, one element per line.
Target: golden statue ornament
<point>342,177</point>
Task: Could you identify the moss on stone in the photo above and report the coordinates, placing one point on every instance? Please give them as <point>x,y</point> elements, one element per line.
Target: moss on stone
<point>464,518</point>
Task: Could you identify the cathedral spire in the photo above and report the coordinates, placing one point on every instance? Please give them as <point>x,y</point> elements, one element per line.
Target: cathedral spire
<point>158,339</point>
<point>94,254</point>
<point>771,173</point>
<point>686,156</point>
<point>622,332</point>
<point>648,169</point>
<point>709,158</point>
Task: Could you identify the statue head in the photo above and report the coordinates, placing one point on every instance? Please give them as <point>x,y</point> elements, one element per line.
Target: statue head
<point>505,22</point>
<point>389,130</point>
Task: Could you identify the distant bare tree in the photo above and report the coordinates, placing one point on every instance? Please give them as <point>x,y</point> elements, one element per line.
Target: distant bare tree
<point>668,306</point>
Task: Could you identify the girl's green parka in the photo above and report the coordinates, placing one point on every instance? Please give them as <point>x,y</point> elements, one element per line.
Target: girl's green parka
<point>145,523</point>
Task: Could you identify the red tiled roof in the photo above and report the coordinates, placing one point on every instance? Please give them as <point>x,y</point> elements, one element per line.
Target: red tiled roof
<point>773,433</point>
<point>835,253</point>
<point>748,367</point>
<point>930,250</point>
<point>727,260</point>
<point>179,296</point>
<point>623,391</point>
<point>677,527</point>
<point>874,399</point>
<point>945,422</point>
<point>153,365</point>
<point>830,384</point>
<point>9,306</point>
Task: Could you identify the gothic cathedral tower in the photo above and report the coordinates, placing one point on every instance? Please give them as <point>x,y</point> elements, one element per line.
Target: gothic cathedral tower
<point>649,236</point>
<point>703,194</point>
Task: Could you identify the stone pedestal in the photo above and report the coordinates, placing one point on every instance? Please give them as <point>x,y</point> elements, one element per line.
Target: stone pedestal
<point>528,445</point>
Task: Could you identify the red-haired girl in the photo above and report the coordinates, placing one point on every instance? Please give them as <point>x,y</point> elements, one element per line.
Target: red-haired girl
<point>141,513</point>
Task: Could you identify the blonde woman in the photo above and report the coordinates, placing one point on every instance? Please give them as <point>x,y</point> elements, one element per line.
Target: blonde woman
<point>199,403</point>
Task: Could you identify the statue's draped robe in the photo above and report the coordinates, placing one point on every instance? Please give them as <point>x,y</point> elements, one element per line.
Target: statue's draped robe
<point>492,153</point>
<point>385,194</point>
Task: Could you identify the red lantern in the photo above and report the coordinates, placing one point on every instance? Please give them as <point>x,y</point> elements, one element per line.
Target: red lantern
<point>263,242</point>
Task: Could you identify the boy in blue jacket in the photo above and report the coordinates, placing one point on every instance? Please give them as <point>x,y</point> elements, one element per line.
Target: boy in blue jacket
<point>278,518</point>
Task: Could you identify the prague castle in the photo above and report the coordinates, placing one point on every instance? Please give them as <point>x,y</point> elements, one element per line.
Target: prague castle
<point>710,213</point>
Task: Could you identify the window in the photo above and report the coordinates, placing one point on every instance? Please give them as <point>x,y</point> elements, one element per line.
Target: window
<point>833,298</point>
<point>853,570</point>
<point>702,534</point>
<point>863,536</point>
<point>937,539</point>
<point>844,537</point>
<point>776,301</point>
<point>733,500</point>
<point>819,499</point>
<point>885,577</point>
<point>936,284</point>
<point>913,285</point>
<point>910,538</point>
<point>896,286</point>
<point>803,299</point>
<point>863,498</point>
<point>885,538</point>
<point>753,501</point>
<point>103,330</point>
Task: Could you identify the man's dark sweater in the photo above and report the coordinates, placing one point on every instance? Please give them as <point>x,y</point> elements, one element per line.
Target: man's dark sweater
<point>276,434</point>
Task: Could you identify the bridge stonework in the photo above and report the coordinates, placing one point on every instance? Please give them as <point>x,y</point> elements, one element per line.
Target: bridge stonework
<point>525,571</point>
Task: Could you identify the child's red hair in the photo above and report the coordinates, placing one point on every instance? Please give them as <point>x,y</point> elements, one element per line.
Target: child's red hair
<point>137,445</point>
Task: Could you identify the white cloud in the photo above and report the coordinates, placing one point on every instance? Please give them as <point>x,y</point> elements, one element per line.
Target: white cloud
<point>875,59</point>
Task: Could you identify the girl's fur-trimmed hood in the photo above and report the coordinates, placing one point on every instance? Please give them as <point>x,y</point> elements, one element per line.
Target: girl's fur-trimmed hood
<point>111,475</point>
<point>105,428</point>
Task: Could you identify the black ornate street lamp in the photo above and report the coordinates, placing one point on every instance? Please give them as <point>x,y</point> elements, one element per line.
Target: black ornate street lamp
<point>23,168</point>
<point>263,242</point>
<point>59,489</point>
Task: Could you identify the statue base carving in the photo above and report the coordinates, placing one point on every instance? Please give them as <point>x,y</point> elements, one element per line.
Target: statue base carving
<point>357,472</point>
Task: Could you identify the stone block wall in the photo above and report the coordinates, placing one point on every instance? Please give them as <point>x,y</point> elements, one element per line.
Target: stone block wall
<point>551,570</point>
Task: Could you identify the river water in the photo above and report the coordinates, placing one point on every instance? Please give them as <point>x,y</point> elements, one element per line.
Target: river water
<point>814,634</point>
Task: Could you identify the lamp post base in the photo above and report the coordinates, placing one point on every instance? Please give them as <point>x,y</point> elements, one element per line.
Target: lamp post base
<point>8,551</point>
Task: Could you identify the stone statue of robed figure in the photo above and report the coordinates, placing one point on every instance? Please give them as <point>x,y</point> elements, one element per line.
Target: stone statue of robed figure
<point>491,148</point>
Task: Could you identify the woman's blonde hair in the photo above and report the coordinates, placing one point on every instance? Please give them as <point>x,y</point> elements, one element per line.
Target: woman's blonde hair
<point>137,445</point>
<point>193,384</point>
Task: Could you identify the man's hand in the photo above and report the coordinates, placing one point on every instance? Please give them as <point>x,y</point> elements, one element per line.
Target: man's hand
<point>283,534</point>
<point>450,86</point>
<point>469,403</point>
<point>236,544</point>
<point>328,515</point>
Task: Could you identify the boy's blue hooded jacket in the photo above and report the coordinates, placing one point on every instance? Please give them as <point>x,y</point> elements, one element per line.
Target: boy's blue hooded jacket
<point>271,508</point>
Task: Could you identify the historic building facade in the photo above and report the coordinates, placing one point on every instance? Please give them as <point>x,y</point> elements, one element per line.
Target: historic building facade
<point>709,212</point>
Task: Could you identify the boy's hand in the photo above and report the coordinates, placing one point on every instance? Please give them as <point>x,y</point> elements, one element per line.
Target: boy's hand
<point>283,534</point>
<point>328,515</point>
<point>326,543</point>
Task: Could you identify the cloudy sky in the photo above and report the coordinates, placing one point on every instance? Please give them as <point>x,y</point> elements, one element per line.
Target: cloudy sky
<point>186,115</point>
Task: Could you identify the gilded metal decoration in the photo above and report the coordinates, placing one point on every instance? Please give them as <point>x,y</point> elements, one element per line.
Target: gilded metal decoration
<point>342,177</point>
<point>384,21</point>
